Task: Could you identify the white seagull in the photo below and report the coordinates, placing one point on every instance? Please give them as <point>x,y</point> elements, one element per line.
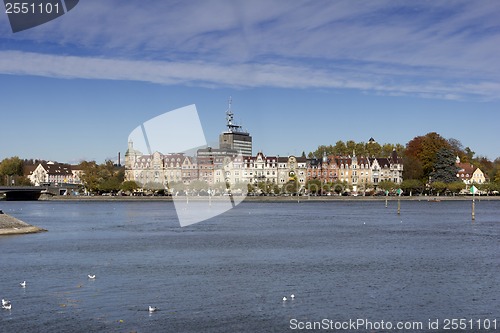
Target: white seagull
<point>7,306</point>
<point>284,298</point>
<point>5,302</point>
<point>23,284</point>
<point>152,308</point>
<point>91,276</point>
<point>292,296</point>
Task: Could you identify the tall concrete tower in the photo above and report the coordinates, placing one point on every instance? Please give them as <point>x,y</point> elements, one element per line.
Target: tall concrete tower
<point>235,137</point>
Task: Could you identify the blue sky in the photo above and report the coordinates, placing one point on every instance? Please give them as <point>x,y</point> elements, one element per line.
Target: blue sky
<point>300,73</point>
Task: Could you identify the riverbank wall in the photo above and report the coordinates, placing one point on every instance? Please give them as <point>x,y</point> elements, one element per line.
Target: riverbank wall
<point>273,198</point>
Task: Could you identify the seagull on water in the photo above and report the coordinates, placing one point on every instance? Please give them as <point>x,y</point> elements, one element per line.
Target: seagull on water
<point>7,306</point>
<point>152,308</point>
<point>284,298</point>
<point>292,296</point>
<point>5,302</point>
<point>23,284</point>
<point>91,276</point>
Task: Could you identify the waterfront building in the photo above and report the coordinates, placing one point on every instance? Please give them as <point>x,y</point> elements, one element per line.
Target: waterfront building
<point>324,169</point>
<point>54,174</point>
<point>230,172</point>
<point>469,174</point>
<point>213,161</point>
<point>275,170</point>
<point>387,168</point>
<point>156,170</point>
<point>359,172</point>
<point>297,170</point>
<point>260,168</point>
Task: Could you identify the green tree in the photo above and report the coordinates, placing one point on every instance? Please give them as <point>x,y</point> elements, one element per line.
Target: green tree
<point>313,186</point>
<point>10,169</point>
<point>387,149</point>
<point>90,175</point>
<point>457,148</point>
<point>425,148</point>
<point>469,155</point>
<point>456,186</point>
<point>445,169</point>
<point>111,184</point>
<point>387,185</point>
<point>105,177</point>
<point>360,149</point>
<point>497,176</point>
<point>291,187</point>
<point>373,149</point>
<point>412,168</point>
<point>340,148</point>
<point>12,166</point>
<point>412,185</point>
<point>340,187</point>
<point>129,186</point>
<point>198,185</point>
<point>438,187</point>
<point>350,147</point>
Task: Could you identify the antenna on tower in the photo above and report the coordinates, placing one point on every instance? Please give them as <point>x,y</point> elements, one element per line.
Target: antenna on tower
<point>231,127</point>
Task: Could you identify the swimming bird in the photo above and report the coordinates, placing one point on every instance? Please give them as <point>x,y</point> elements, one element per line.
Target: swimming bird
<point>7,306</point>
<point>5,302</point>
<point>152,308</point>
<point>91,276</point>
<point>23,284</point>
<point>284,298</point>
<point>292,296</point>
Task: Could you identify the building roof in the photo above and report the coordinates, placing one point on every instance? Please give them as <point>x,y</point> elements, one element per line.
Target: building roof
<point>465,170</point>
<point>54,168</point>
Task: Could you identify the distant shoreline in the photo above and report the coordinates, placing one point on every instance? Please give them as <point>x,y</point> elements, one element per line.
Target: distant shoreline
<point>274,199</point>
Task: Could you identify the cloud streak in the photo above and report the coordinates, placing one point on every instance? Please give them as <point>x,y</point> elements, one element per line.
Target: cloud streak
<point>440,50</point>
<point>369,78</point>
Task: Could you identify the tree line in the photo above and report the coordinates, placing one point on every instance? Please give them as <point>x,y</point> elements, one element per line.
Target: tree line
<point>429,165</point>
<point>96,178</point>
<point>429,162</point>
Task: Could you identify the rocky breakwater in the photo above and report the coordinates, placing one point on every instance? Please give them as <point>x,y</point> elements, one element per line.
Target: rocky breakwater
<point>11,226</point>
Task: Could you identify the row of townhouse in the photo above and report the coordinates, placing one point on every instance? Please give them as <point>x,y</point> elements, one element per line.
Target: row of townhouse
<point>358,172</point>
<point>213,166</point>
<point>221,166</point>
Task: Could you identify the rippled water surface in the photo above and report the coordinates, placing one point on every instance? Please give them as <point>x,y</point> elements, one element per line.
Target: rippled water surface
<point>342,260</point>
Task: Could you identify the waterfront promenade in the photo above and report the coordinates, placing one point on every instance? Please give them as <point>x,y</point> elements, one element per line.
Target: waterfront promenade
<point>275,198</point>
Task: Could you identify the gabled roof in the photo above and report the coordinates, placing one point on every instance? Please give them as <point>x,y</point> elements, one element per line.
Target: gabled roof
<point>54,168</point>
<point>465,170</point>
<point>301,159</point>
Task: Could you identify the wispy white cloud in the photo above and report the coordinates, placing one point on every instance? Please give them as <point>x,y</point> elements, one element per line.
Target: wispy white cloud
<point>447,49</point>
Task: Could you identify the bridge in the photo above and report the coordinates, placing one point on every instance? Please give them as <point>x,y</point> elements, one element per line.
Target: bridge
<point>17,193</point>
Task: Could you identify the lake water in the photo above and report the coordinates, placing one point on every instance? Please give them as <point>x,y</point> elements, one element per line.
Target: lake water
<point>343,261</point>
